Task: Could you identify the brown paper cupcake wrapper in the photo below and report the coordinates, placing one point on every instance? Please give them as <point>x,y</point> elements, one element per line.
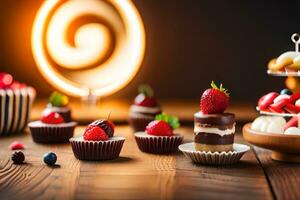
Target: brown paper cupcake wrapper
<point>139,123</point>
<point>97,150</point>
<point>51,134</point>
<point>214,158</point>
<point>158,144</point>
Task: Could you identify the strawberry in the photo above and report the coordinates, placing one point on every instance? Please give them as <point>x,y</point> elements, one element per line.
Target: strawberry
<point>159,128</point>
<point>267,100</point>
<point>17,85</point>
<point>279,104</point>
<point>5,80</point>
<point>145,97</point>
<point>16,145</point>
<point>294,97</point>
<point>106,125</point>
<point>94,133</point>
<point>52,118</point>
<point>214,100</point>
<point>293,122</point>
<point>291,108</point>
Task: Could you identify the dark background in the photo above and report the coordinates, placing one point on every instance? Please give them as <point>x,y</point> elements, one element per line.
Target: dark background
<point>189,43</point>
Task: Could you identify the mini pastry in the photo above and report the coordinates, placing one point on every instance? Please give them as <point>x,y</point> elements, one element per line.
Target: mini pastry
<point>144,109</point>
<point>214,129</point>
<point>283,103</point>
<point>52,129</point>
<point>59,103</point>
<point>269,124</point>
<point>159,136</point>
<point>98,142</point>
<point>16,100</point>
<point>288,61</point>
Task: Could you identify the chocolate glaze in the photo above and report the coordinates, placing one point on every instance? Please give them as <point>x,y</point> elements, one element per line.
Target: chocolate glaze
<point>214,139</point>
<point>215,119</point>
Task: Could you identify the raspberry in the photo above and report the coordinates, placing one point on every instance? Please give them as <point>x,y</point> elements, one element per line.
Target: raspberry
<point>18,157</point>
<point>159,128</point>
<point>16,145</point>
<point>52,118</point>
<point>94,133</point>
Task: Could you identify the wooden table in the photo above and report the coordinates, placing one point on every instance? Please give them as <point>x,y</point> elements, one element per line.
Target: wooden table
<point>137,175</point>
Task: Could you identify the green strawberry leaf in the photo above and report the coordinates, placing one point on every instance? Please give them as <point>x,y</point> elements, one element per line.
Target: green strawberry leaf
<point>58,99</point>
<point>214,86</point>
<point>146,89</point>
<point>171,120</point>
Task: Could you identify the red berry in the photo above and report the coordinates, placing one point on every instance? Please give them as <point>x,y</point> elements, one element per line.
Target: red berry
<point>159,128</point>
<point>143,100</point>
<point>293,122</point>
<point>266,100</point>
<point>94,133</point>
<point>5,80</point>
<point>294,97</point>
<point>16,145</point>
<point>214,100</point>
<point>291,108</point>
<point>17,85</point>
<point>52,118</point>
<point>281,103</point>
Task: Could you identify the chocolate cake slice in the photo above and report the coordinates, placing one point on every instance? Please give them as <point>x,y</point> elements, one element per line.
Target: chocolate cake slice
<point>214,132</point>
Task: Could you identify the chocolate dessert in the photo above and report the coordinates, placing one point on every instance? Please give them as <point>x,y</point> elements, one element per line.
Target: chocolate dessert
<point>214,129</point>
<point>214,132</point>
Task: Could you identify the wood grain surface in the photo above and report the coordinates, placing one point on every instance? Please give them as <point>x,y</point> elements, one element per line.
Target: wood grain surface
<point>135,175</point>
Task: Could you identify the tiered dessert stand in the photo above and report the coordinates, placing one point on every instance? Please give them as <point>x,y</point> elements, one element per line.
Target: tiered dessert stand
<point>284,147</point>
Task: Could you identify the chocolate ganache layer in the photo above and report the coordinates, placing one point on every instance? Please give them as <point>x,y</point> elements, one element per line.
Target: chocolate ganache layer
<point>214,139</point>
<point>220,120</point>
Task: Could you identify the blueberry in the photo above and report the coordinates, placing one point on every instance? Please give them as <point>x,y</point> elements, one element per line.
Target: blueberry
<point>50,158</point>
<point>286,91</point>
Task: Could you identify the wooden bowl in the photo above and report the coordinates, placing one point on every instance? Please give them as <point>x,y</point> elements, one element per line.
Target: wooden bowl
<point>284,147</point>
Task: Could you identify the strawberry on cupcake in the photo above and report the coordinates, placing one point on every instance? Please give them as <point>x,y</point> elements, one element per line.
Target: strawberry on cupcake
<point>98,142</point>
<point>159,136</point>
<point>59,103</point>
<point>51,128</point>
<point>144,109</point>
<point>213,127</point>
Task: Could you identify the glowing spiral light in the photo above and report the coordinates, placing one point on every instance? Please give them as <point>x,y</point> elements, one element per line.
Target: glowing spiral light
<point>85,47</point>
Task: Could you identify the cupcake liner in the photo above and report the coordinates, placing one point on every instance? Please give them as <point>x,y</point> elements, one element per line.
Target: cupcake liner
<point>97,150</point>
<point>140,123</point>
<point>15,106</point>
<point>158,144</point>
<point>214,158</point>
<point>52,133</point>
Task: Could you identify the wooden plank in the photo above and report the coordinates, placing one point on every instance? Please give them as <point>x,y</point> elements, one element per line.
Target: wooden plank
<point>135,175</point>
<point>283,177</point>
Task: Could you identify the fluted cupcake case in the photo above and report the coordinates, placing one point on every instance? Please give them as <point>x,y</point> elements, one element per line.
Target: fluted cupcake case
<point>15,106</point>
<point>51,133</point>
<point>97,150</point>
<point>158,144</point>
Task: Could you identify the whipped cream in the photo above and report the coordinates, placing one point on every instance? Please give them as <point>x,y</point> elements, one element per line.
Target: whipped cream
<point>214,130</point>
<point>144,109</point>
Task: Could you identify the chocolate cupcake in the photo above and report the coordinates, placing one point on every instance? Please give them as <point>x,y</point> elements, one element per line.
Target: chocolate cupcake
<point>159,138</point>
<point>214,129</point>
<point>59,103</point>
<point>144,109</point>
<point>98,142</point>
<point>51,129</point>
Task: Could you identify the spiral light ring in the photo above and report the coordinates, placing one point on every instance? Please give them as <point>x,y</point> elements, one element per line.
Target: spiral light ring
<point>103,56</point>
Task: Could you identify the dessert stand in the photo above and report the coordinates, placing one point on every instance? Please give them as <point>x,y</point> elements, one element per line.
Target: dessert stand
<point>284,147</point>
